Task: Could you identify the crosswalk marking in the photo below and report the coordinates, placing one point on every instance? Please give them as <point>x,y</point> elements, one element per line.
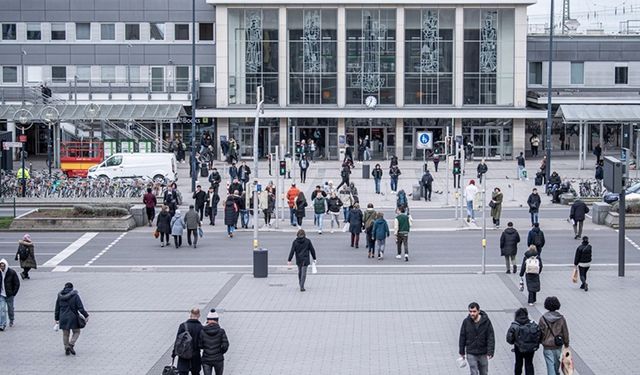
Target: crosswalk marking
<point>69,250</point>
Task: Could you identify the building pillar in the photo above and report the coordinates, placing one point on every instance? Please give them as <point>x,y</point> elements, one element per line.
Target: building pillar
<point>400,57</point>
<point>342,60</point>
<point>399,138</point>
<point>11,127</point>
<point>282,135</point>
<point>342,132</point>
<point>519,141</point>
<point>457,126</point>
<point>222,129</point>
<point>222,58</point>
<point>520,58</point>
<point>282,57</point>
<point>458,69</point>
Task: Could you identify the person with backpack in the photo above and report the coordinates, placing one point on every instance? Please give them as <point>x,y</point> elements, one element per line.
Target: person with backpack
<point>579,210</point>
<point>319,209</point>
<point>178,226</point>
<point>531,268</point>
<point>231,212</point>
<point>525,335</point>
<point>380,234</point>
<point>402,201</point>
<point>303,249</point>
<point>477,340</point>
<point>534,205</point>
<point>402,226</point>
<point>344,175</point>
<point>427,181</point>
<point>333,209</point>
<point>555,335</point>
<point>376,173</point>
<point>355,224</point>
<point>536,238</point>
<point>214,344</point>
<point>186,346</point>
<point>509,247</point>
<point>26,254</point>
<point>582,261</point>
<point>70,316</point>
<point>369,217</point>
<point>394,174</point>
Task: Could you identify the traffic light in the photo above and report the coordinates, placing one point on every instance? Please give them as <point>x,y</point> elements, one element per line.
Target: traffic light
<point>283,167</point>
<point>456,166</point>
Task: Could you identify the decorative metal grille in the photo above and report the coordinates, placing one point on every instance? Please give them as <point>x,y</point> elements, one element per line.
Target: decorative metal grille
<point>311,41</point>
<point>374,35</point>
<point>429,52</point>
<point>253,34</point>
<point>488,42</point>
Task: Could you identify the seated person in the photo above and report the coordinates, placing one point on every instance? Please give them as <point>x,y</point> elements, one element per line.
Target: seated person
<point>554,183</point>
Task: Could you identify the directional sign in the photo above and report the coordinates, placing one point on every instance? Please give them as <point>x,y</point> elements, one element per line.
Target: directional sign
<point>8,145</point>
<point>424,140</point>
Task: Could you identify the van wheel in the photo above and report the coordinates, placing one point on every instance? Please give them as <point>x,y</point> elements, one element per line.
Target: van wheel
<point>103,177</point>
<point>159,179</point>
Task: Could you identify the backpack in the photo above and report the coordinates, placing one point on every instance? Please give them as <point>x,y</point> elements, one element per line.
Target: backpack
<point>537,240</point>
<point>532,265</point>
<point>183,347</point>
<point>528,337</point>
<point>370,220</point>
<point>23,252</point>
<point>402,199</point>
<point>344,173</point>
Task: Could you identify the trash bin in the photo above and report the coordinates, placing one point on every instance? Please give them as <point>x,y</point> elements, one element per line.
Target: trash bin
<point>366,171</point>
<point>260,263</point>
<point>417,192</point>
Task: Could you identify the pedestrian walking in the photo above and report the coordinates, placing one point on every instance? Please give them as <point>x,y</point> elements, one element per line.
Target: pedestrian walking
<point>534,205</point>
<point>376,173</point>
<point>555,335</point>
<point>536,238</point>
<point>470,195</point>
<point>9,286</point>
<point>369,217</point>
<point>347,202</point>
<point>187,350</point>
<point>509,240</point>
<point>292,194</point>
<point>304,165</point>
<point>26,254</point>
<point>582,261</point>
<point>355,224</point>
<point>233,171</point>
<point>344,175</point>
<point>303,249</point>
<point>436,161</point>
<point>200,198</point>
<point>380,234</point>
<point>214,344</point>
<point>496,206</point>
<point>402,201</point>
<point>394,174</point>
<point>577,214</point>
<point>318,191</point>
<point>211,205</point>
<point>70,317</point>
<point>333,209</point>
<point>163,225</point>
<point>319,209</point>
<point>482,169</point>
<point>192,222</point>
<point>599,175</point>
<point>427,181</point>
<point>477,340</point>
<point>525,335</point>
<point>170,199</point>
<point>597,151</point>
<point>235,187</point>
<point>530,270</point>
<point>215,179</point>
<point>244,174</point>
<point>231,211</point>
<point>521,167</point>
<point>354,192</point>
<point>267,202</point>
<point>300,205</point>
<point>150,202</point>
<point>177,228</point>
<point>535,143</point>
<point>402,226</point>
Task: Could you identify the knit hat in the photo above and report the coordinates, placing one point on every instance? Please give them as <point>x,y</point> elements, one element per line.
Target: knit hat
<point>212,315</point>
<point>26,237</point>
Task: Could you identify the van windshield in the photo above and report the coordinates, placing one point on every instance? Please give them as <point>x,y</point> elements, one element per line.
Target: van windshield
<point>113,161</point>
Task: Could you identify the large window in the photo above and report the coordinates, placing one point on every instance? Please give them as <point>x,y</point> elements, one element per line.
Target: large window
<point>371,55</point>
<point>429,56</point>
<point>253,55</point>
<point>577,73</point>
<point>83,31</point>
<point>83,72</point>
<point>488,56</point>
<point>134,74</point>
<point>58,31</point>
<point>132,31</point>
<point>10,74</point>
<point>58,74</point>
<point>312,56</point>
<point>622,75</point>
<point>207,74</point>
<point>8,31</point>
<point>33,31</point>
<point>206,31</point>
<point>181,31</point>
<point>156,31</point>
<point>535,73</point>
<point>108,31</point>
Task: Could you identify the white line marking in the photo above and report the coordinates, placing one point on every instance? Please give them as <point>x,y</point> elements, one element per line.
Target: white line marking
<point>38,242</point>
<point>64,254</point>
<point>344,266</point>
<point>105,250</point>
<point>61,269</point>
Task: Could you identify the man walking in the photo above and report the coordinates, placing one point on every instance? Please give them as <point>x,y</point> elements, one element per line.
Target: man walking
<point>427,181</point>
<point>555,335</point>
<point>477,340</point>
<point>319,209</point>
<point>521,169</point>
<point>191,360</point>
<point>193,222</point>
<point>582,260</point>
<point>304,165</point>
<point>214,343</point>
<point>369,218</point>
<point>200,199</point>
<point>380,234</point>
<point>244,174</point>
<point>377,177</point>
<point>9,286</point>
<point>344,174</point>
<point>578,212</point>
<point>534,205</point>
<point>470,194</point>
<point>509,247</point>
<point>482,169</point>
<point>304,251</point>
<point>394,174</point>
<point>536,237</point>
<point>402,225</point>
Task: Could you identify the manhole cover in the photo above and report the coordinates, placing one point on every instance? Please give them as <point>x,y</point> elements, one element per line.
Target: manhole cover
<point>276,285</point>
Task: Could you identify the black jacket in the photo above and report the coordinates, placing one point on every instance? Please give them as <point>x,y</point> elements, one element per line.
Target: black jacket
<point>334,204</point>
<point>427,179</point>
<point>213,342</point>
<point>164,222</point>
<point>302,248</point>
<point>68,306</point>
<point>355,221</point>
<point>477,339</point>
<point>195,327</point>
<point>200,198</point>
<point>578,210</point>
<point>531,239</point>
<point>534,202</point>
<point>599,173</point>
<point>11,280</point>
<point>231,211</point>
<point>555,179</point>
<point>532,279</point>
<point>243,173</point>
<point>509,242</point>
<point>215,178</point>
<point>482,169</point>
<point>376,173</point>
<point>583,254</point>
<point>516,339</point>
<point>235,186</point>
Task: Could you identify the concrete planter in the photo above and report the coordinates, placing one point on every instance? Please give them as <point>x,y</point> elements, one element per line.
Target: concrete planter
<point>631,220</point>
<point>64,224</point>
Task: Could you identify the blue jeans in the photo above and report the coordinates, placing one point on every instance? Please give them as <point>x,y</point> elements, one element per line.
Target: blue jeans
<point>380,246</point>
<point>345,213</point>
<point>230,229</point>
<point>6,306</point>
<point>376,181</point>
<point>394,183</point>
<point>552,358</point>
<point>534,218</point>
<point>520,174</point>
<point>470,209</point>
<point>292,213</point>
<point>318,218</point>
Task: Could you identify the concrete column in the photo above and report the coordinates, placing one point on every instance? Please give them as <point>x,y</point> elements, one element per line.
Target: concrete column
<point>222,58</point>
<point>282,135</point>
<point>400,57</point>
<point>520,58</point>
<point>399,137</point>
<point>222,128</point>
<point>458,69</point>
<point>342,60</point>
<point>457,127</point>
<point>282,57</point>
<point>11,127</point>
<point>519,142</point>
<point>342,131</point>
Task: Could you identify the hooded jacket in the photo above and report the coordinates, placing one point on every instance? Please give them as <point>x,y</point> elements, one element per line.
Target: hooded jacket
<point>334,204</point>
<point>380,229</point>
<point>164,222</point>
<point>68,306</point>
<point>531,238</point>
<point>30,260</point>
<point>9,280</point>
<point>213,342</point>
<point>177,224</point>
<point>477,338</point>
<point>302,248</point>
<point>509,242</point>
<point>583,254</point>
<point>557,326</point>
<point>231,210</point>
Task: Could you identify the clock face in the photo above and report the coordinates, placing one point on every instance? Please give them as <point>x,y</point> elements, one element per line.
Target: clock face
<point>371,101</point>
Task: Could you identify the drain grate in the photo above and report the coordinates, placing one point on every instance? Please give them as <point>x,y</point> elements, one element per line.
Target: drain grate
<point>277,285</point>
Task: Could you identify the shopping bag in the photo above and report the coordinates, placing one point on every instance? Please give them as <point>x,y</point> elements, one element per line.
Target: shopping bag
<point>156,233</point>
<point>345,228</point>
<point>314,269</point>
<point>461,362</point>
<point>566,361</point>
<point>574,275</point>
<point>200,232</point>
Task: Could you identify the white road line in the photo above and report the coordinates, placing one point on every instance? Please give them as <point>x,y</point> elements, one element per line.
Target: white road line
<point>37,242</point>
<point>105,249</point>
<point>61,269</point>
<point>69,250</point>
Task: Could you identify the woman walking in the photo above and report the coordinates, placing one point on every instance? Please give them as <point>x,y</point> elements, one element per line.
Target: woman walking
<point>531,267</point>
<point>496,206</point>
<point>355,224</point>
<point>178,226</point>
<point>26,253</point>
<point>302,248</point>
<point>300,204</point>
<point>582,260</point>
<point>524,334</point>
<point>150,203</point>
<point>334,203</point>
<point>231,211</point>
<point>266,204</point>
<point>163,225</point>
<point>70,316</point>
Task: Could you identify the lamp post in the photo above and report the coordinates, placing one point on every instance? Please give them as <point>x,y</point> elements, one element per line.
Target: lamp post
<point>24,118</point>
<point>193,95</point>
<point>50,115</point>
<point>549,101</point>
<point>484,224</point>
<point>259,111</point>
<point>22,55</point>
<point>129,46</point>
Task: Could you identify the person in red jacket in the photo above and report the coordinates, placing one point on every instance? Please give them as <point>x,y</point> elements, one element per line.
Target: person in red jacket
<point>150,203</point>
<point>292,194</point>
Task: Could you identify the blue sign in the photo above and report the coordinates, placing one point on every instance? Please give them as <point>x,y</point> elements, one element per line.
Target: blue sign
<point>424,140</point>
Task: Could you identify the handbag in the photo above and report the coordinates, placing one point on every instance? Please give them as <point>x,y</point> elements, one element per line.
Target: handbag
<point>492,204</point>
<point>170,370</point>
<point>574,275</point>
<point>156,233</point>
<point>566,362</point>
<point>82,321</point>
<point>345,228</point>
<point>558,340</point>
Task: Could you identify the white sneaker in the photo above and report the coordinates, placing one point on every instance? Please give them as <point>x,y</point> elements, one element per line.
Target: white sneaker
<point>331,230</point>
<point>398,256</point>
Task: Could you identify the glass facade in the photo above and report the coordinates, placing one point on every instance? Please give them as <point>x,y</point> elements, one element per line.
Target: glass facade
<point>488,56</point>
<point>371,55</point>
<point>253,55</point>
<point>242,129</point>
<point>429,56</point>
<point>312,36</point>
<point>491,138</point>
<point>438,126</point>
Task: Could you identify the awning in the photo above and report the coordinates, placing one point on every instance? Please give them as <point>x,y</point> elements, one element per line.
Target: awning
<point>113,112</point>
<point>599,113</point>
<point>380,112</point>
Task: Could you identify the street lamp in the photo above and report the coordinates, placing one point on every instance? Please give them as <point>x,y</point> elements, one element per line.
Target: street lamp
<point>50,115</point>
<point>129,46</point>
<point>549,101</point>
<point>22,55</point>
<point>193,96</point>
<point>24,118</point>
<point>259,111</point>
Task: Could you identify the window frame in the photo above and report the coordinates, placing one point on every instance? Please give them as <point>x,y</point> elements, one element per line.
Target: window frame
<point>15,31</point>
<point>55,32</point>
<point>58,68</point>
<point>529,81</point>
<point>175,31</point>
<point>213,31</point>
<point>618,70</point>
<point>3,74</point>
<point>104,81</point>
<point>126,32</point>
<point>576,64</point>
<point>163,30</point>
<point>213,75</point>
<point>102,32</point>
<point>83,23</point>
<point>83,79</point>
<point>39,31</point>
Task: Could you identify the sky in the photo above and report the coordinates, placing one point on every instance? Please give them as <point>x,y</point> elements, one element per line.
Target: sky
<point>592,14</point>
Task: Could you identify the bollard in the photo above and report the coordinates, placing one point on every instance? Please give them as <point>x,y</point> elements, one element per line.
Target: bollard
<point>260,263</point>
<point>14,207</point>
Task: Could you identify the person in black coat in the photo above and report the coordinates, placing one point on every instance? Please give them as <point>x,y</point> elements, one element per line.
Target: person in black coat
<point>170,199</point>
<point>214,343</point>
<point>477,339</point>
<point>67,315</point>
<point>211,205</point>
<point>532,279</point>
<point>300,204</point>
<point>215,179</point>
<point>582,260</point>
<point>200,199</point>
<point>536,237</point>
<point>303,249</point>
<point>534,205</point>
<point>231,211</point>
<point>8,290</point>
<point>163,225</point>
<point>194,327</point>
<point>577,214</point>
<point>355,224</point>
<point>509,247</point>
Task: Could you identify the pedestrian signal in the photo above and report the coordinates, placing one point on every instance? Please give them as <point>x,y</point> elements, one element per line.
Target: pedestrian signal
<point>283,167</point>
<point>456,166</point>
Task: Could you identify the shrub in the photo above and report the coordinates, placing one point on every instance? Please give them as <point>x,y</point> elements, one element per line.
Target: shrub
<point>84,210</point>
<point>631,207</point>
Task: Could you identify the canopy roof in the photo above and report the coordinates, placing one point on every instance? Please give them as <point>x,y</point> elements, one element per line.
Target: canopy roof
<point>577,113</point>
<point>125,112</point>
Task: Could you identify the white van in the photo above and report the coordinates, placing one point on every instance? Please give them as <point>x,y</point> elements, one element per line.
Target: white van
<point>153,165</point>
